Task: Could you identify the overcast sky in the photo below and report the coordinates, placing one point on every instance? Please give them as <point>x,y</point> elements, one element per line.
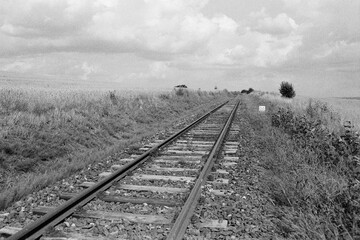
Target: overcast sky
<point>233,44</point>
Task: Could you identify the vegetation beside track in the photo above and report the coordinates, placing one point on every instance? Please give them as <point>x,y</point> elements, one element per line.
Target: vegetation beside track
<point>47,135</point>
<point>310,168</point>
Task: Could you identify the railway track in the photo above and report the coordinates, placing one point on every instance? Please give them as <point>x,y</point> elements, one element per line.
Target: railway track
<point>150,195</point>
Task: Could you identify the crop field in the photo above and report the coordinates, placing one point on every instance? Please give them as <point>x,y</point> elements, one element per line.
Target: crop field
<point>47,134</point>
<point>348,109</point>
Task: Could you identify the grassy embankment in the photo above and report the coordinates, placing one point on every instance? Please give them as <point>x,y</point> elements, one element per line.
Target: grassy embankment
<point>47,135</point>
<point>311,167</point>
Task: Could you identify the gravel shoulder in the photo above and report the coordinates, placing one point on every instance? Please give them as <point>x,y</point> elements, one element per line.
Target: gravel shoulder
<point>248,209</point>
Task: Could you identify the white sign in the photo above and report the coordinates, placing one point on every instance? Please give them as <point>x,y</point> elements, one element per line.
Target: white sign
<point>261,108</point>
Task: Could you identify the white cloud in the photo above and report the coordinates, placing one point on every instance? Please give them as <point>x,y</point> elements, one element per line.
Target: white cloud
<point>273,40</point>
<point>230,56</point>
<point>274,52</point>
<point>147,28</point>
<point>87,70</point>
<point>122,26</point>
<point>281,24</point>
<point>225,23</point>
<point>179,34</point>
<point>330,30</point>
<point>156,70</point>
<point>311,8</point>
<point>159,69</point>
<point>39,18</point>
<point>259,14</point>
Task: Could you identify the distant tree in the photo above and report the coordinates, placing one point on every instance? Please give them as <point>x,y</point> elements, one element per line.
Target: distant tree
<point>250,90</point>
<point>181,86</point>
<point>244,91</point>
<point>287,90</point>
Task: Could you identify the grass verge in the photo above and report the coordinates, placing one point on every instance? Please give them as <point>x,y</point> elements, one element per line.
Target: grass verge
<point>313,184</point>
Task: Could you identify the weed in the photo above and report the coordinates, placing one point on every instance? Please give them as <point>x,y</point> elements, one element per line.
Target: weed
<point>113,98</point>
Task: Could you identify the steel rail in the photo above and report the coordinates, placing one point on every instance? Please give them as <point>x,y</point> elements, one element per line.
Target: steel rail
<point>51,219</point>
<point>178,230</point>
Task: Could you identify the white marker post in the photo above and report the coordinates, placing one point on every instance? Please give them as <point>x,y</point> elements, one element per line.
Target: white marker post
<point>262,108</point>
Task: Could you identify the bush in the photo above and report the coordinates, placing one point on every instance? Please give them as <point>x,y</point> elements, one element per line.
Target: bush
<point>287,90</point>
<point>340,153</point>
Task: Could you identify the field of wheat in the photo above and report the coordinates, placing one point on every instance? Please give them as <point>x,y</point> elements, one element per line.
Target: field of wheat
<point>348,109</point>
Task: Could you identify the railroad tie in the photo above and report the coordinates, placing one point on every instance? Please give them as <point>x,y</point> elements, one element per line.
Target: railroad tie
<point>142,188</point>
<point>112,216</point>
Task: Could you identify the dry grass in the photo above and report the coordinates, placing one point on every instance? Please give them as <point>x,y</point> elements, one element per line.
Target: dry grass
<point>48,134</point>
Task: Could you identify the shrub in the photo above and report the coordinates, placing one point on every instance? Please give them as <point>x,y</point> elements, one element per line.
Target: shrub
<point>287,90</point>
<point>244,91</point>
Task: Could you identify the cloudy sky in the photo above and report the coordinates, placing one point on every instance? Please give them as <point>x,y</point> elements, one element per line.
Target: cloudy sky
<point>233,44</point>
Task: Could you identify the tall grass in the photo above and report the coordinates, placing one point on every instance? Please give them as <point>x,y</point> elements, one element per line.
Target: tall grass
<point>312,166</point>
<point>48,134</point>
